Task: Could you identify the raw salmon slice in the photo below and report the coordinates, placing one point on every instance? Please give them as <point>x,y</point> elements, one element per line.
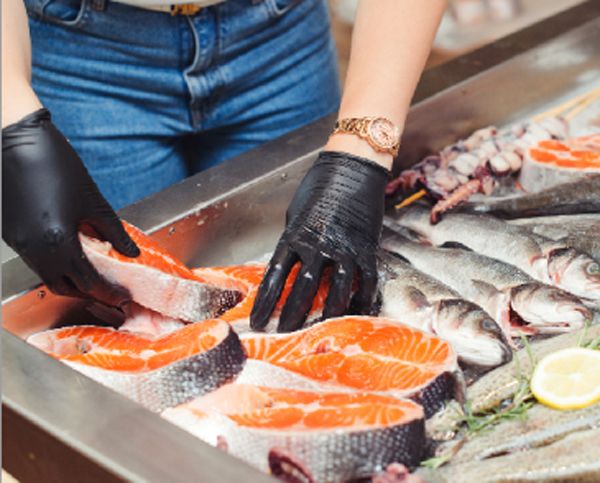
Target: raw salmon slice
<point>358,353</point>
<point>158,281</point>
<point>335,436</point>
<point>156,372</point>
<point>551,162</point>
<point>246,279</point>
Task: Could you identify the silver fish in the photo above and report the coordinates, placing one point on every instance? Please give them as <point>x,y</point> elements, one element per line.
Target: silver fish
<point>581,232</point>
<point>573,458</point>
<point>425,303</point>
<point>497,287</point>
<point>552,263</point>
<point>581,196</point>
<point>501,383</point>
<point>541,426</point>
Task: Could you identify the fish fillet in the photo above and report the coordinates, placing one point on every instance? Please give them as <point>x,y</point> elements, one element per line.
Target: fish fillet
<point>552,162</point>
<point>365,354</point>
<point>158,281</point>
<point>335,436</point>
<point>155,372</point>
<point>246,279</point>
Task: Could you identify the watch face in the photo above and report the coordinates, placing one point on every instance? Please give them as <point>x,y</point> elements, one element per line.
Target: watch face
<point>383,133</point>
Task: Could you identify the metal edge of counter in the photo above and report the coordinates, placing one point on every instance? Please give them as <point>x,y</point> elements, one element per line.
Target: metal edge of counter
<point>42,415</point>
<point>153,213</point>
<point>125,442</point>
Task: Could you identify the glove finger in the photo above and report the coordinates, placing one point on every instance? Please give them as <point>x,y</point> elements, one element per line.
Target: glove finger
<point>300,300</point>
<point>271,286</point>
<point>340,290</point>
<point>87,279</point>
<point>64,287</point>
<point>364,298</point>
<point>111,229</point>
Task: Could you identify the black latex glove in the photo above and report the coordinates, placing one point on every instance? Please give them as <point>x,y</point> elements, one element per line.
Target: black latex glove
<point>47,194</point>
<point>334,218</point>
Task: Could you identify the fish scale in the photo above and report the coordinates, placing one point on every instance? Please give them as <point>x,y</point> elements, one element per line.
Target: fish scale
<point>497,287</point>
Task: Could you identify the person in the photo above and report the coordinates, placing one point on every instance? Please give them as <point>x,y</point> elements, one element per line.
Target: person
<point>147,97</point>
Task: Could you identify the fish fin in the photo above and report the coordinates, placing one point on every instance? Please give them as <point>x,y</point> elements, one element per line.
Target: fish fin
<point>486,289</point>
<point>417,298</point>
<point>457,245</point>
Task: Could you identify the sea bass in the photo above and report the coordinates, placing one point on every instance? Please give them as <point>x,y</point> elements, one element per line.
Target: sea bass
<point>562,266</point>
<point>581,232</point>
<point>425,303</point>
<point>158,281</point>
<point>572,458</point>
<point>541,426</point>
<point>155,372</point>
<point>358,353</point>
<point>501,383</point>
<point>499,288</point>
<point>581,196</point>
<point>330,437</point>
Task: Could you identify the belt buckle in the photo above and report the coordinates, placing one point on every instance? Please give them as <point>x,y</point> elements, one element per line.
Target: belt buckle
<point>185,9</point>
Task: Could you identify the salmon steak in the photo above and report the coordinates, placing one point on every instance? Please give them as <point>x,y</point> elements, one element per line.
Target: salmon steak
<point>157,280</point>
<point>357,354</point>
<point>551,162</point>
<point>246,279</point>
<point>155,372</point>
<point>327,436</point>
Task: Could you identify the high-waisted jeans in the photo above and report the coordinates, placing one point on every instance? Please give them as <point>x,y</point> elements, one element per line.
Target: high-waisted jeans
<point>147,98</point>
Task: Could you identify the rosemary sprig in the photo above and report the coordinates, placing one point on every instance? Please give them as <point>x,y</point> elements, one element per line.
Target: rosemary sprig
<point>435,462</point>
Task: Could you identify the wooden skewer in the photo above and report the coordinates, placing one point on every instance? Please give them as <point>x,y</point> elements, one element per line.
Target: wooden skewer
<point>582,105</point>
<point>411,199</point>
<point>568,105</point>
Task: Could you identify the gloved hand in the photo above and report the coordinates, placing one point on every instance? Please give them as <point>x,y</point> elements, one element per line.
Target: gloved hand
<point>47,194</point>
<point>334,218</point>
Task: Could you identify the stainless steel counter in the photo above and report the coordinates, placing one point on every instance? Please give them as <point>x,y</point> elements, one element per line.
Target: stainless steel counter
<point>58,424</point>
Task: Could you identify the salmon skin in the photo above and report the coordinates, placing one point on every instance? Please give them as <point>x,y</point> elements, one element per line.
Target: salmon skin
<point>359,353</point>
<point>246,279</point>
<point>333,436</point>
<point>157,373</point>
<point>157,280</point>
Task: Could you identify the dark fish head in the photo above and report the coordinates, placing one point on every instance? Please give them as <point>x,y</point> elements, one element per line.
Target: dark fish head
<point>575,271</point>
<point>546,306</point>
<point>476,337</point>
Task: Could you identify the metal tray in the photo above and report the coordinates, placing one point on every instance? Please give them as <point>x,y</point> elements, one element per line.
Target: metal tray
<point>60,425</point>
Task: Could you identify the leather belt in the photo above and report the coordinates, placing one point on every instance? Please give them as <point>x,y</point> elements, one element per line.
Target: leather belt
<point>173,9</point>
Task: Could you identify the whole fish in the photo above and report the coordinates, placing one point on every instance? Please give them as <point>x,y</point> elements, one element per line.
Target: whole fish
<point>553,263</point>
<point>573,458</point>
<point>327,437</point>
<point>581,196</point>
<point>499,288</point>
<point>501,383</point>
<point>541,426</point>
<point>422,301</point>
<point>581,232</point>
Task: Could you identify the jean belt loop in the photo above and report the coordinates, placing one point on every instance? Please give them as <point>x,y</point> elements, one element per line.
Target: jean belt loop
<point>98,5</point>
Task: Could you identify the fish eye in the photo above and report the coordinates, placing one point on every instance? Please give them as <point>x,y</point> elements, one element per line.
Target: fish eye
<point>593,269</point>
<point>490,326</point>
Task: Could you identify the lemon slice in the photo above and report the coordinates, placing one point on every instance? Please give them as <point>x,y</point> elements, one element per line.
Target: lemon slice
<point>568,379</point>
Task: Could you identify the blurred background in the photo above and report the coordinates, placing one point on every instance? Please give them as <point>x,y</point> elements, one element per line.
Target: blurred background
<point>467,24</point>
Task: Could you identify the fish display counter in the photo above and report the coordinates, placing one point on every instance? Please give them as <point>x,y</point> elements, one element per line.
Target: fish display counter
<point>58,424</point>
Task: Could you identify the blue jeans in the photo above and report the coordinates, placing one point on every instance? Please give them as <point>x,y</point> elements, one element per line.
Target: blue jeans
<point>147,98</point>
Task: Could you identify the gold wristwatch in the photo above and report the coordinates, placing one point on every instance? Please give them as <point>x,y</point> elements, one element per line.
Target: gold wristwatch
<point>381,133</point>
